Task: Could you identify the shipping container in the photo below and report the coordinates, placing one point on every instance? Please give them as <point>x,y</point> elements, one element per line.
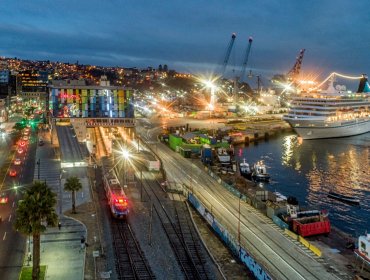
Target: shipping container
<point>174,141</point>
<point>311,228</point>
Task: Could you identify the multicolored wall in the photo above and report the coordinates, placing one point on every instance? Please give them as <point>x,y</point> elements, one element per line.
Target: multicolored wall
<point>91,103</point>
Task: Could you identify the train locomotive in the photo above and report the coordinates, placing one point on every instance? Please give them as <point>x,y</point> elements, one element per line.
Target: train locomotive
<point>117,199</point>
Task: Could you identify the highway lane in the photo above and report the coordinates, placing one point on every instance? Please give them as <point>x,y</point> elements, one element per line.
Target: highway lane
<point>12,243</point>
<point>283,258</point>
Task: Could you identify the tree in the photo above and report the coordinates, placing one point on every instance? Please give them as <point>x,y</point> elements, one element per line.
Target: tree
<point>73,185</point>
<point>36,208</point>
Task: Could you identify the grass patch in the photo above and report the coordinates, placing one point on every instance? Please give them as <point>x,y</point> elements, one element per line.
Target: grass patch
<point>26,273</point>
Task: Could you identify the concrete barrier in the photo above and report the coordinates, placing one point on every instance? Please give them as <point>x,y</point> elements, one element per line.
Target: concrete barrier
<point>279,222</point>
<point>257,269</point>
<point>304,241</point>
<point>315,250</point>
<point>291,234</point>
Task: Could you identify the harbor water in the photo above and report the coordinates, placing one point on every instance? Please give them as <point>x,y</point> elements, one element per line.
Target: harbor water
<point>309,169</point>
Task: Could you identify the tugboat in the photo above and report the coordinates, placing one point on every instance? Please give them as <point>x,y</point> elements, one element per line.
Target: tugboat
<point>344,198</point>
<point>245,170</point>
<point>259,172</point>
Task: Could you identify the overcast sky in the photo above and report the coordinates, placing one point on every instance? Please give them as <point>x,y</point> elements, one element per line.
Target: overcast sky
<point>191,35</point>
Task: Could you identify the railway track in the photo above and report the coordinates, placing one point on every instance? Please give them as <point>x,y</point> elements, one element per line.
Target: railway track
<point>184,241</point>
<point>189,235</point>
<point>264,254</point>
<point>130,260</point>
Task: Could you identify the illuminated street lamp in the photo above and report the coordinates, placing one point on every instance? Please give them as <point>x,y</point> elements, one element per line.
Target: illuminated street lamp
<point>212,86</point>
<point>126,156</point>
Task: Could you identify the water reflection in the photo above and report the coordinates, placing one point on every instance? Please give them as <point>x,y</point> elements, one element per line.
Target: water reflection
<point>309,169</point>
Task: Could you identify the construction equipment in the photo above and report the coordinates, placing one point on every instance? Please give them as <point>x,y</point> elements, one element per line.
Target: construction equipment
<point>242,71</point>
<point>293,74</point>
<point>227,55</point>
<point>245,60</point>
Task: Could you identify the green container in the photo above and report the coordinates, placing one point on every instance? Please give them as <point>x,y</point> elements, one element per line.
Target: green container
<point>175,141</point>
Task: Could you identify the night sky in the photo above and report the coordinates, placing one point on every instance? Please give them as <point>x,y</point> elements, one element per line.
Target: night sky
<point>191,35</point>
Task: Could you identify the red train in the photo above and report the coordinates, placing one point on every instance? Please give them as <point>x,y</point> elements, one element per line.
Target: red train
<point>117,199</point>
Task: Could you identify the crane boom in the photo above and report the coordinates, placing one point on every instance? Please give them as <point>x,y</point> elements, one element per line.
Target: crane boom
<point>294,72</point>
<point>227,55</point>
<point>245,60</point>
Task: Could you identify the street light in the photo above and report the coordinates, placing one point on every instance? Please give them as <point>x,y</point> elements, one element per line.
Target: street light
<point>38,169</point>
<point>240,198</point>
<point>60,191</point>
<point>126,155</point>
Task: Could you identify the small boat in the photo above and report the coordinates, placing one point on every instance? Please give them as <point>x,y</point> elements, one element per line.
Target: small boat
<point>245,170</point>
<point>259,172</point>
<point>344,198</point>
<point>223,157</point>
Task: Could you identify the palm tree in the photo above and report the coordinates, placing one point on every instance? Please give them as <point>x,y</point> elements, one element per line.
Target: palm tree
<point>73,185</point>
<point>37,206</point>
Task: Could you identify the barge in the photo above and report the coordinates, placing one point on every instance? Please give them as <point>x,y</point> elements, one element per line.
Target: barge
<point>344,198</point>
<point>307,223</point>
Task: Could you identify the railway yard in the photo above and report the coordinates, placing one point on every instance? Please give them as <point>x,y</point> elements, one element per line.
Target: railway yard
<point>143,224</point>
<point>161,230</point>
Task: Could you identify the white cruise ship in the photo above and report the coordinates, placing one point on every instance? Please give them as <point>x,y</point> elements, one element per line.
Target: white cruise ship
<point>332,113</point>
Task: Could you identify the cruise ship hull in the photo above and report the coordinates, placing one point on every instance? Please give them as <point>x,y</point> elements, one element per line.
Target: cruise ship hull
<point>316,130</point>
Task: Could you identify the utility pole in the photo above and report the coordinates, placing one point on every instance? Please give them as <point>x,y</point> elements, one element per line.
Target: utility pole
<point>141,185</point>
<point>240,197</point>
<point>60,193</point>
<point>38,168</point>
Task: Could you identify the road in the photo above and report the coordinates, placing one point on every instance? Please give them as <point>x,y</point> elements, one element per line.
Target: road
<point>283,258</point>
<point>12,243</point>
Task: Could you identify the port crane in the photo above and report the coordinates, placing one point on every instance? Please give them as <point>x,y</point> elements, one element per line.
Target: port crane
<point>242,71</point>
<point>227,55</point>
<point>293,74</point>
<point>246,57</point>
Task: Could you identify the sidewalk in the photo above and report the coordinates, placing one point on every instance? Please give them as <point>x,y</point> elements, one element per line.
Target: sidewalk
<point>61,248</point>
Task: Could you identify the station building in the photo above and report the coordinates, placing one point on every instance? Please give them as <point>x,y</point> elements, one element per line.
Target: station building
<point>88,106</point>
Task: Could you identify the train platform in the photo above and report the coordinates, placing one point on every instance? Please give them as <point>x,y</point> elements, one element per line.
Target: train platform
<point>61,250</point>
<point>71,154</point>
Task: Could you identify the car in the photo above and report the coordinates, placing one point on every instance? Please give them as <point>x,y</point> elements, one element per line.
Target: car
<point>17,161</point>
<point>20,151</point>
<point>12,173</point>
<point>25,138</point>
<point>41,142</point>
<point>3,198</point>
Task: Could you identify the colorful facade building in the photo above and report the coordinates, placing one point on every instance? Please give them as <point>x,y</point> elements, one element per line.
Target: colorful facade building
<point>91,102</point>
<point>89,106</point>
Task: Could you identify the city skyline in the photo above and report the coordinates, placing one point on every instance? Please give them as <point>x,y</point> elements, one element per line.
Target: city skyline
<point>191,37</point>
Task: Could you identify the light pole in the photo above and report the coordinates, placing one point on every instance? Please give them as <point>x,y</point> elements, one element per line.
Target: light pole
<point>60,192</point>
<point>38,169</point>
<point>126,155</point>
<point>240,197</point>
<point>191,177</point>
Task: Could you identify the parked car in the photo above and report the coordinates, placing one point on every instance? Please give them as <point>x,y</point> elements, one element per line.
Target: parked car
<point>3,198</point>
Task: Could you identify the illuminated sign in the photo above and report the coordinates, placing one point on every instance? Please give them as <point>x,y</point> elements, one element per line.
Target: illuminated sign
<point>66,95</point>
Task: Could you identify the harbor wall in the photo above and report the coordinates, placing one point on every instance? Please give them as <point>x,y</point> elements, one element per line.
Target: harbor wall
<point>258,270</point>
